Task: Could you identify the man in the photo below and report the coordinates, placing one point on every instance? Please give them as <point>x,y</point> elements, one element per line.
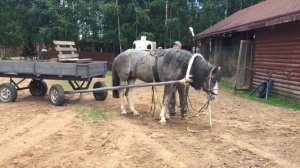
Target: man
<point>176,45</point>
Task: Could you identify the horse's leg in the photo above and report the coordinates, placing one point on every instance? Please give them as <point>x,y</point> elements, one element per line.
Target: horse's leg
<point>166,100</point>
<point>122,94</point>
<point>129,96</point>
<point>172,103</point>
<point>183,93</point>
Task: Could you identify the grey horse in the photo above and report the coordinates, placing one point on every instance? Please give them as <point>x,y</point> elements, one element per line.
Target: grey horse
<point>171,65</point>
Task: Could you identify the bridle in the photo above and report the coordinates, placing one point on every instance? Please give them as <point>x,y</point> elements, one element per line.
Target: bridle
<point>209,90</point>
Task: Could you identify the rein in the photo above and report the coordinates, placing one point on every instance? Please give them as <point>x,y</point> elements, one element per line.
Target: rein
<point>202,109</point>
<point>154,91</point>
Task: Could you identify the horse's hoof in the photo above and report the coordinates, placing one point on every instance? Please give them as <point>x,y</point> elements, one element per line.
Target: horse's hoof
<point>163,122</point>
<point>136,114</point>
<point>124,113</point>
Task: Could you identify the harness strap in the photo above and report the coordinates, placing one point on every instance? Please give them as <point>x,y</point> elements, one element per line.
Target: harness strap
<point>155,70</point>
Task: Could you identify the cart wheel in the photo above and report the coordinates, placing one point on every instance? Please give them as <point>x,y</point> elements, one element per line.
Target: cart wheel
<point>8,93</point>
<point>57,95</point>
<point>38,88</point>
<point>101,95</point>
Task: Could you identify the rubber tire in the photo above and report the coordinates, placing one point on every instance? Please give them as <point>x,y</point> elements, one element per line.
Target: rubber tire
<point>59,98</point>
<point>12,91</point>
<point>38,88</point>
<point>101,95</point>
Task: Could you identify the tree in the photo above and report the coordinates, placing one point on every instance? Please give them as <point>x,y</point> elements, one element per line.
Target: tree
<point>111,23</point>
<point>10,26</point>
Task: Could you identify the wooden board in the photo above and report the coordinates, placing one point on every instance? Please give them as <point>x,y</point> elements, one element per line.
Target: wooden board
<point>68,53</point>
<point>66,50</point>
<point>64,43</point>
<point>76,60</point>
<point>65,56</point>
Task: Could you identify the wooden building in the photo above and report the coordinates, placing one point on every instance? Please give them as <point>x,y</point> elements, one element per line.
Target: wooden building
<point>256,43</point>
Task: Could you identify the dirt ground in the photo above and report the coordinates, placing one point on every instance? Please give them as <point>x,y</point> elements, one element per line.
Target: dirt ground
<point>33,133</point>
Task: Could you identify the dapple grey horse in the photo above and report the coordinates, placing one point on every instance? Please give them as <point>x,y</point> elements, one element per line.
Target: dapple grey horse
<point>171,65</point>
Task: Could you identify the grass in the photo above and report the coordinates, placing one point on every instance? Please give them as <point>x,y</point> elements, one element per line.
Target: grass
<point>18,58</point>
<point>67,86</point>
<point>93,113</point>
<point>226,85</point>
<point>63,83</point>
<point>273,100</point>
<point>108,74</point>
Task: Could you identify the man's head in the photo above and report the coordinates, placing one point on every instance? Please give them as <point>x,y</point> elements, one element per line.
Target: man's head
<point>177,45</point>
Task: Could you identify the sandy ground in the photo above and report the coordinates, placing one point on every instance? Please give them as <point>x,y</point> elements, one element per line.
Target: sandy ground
<point>33,133</point>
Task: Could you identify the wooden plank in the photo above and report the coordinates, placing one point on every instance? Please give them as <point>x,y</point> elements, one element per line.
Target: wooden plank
<point>66,49</point>
<point>68,59</point>
<point>75,60</point>
<point>64,42</point>
<point>75,55</point>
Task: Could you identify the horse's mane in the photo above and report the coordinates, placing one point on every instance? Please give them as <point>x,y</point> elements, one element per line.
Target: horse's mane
<point>200,69</point>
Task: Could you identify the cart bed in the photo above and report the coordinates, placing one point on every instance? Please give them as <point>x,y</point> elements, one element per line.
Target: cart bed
<point>51,70</point>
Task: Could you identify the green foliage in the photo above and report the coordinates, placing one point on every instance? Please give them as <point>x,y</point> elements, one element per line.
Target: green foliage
<point>42,21</point>
<point>10,27</point>
<point>93,112</point>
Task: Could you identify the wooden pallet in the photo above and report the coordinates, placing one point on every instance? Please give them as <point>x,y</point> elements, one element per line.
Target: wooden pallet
<point>67,52</point>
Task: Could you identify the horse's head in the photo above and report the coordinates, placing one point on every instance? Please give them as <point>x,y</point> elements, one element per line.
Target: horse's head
<point>210,84</point>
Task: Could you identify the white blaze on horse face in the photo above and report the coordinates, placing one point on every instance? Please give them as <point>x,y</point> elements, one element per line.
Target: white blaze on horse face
<point>213,93</point>
<point>216,88</point>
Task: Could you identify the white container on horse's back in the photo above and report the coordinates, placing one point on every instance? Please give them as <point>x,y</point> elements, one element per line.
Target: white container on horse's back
<point>144,44</point>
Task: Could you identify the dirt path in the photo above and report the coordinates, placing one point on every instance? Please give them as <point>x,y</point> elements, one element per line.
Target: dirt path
<point>23,137</point>
<point>245,134</point>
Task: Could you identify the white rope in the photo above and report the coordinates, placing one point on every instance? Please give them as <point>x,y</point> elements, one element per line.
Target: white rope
<point>208,97</point>
<point>209,113</point>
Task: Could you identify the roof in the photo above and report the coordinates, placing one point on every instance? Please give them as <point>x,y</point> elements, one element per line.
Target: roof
<point>266,13</point>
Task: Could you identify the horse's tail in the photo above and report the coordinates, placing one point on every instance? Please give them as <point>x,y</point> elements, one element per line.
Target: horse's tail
<point>115,81</point>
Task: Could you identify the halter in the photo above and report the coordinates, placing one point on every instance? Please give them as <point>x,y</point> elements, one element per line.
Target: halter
<point>209,81</point>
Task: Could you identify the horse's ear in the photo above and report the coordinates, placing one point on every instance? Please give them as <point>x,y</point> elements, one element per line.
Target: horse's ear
<point>216,69</point>
<point>217,73</point>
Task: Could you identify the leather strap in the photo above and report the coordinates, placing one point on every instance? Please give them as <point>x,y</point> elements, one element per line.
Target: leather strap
<point>155,70</point>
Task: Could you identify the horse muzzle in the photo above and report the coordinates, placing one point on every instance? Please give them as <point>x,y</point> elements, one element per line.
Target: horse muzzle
<point>211,96</point>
